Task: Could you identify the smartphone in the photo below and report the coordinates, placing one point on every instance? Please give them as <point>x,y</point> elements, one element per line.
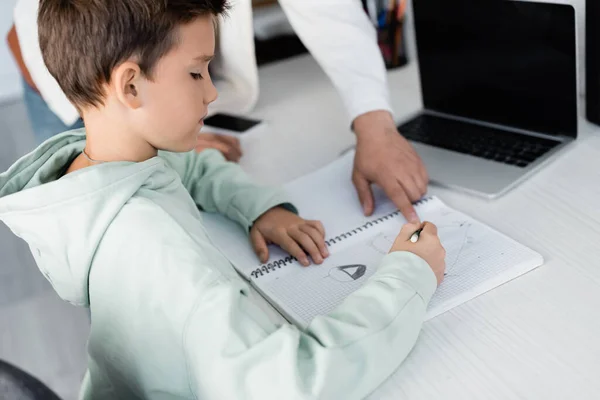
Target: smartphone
<point>231,123</point>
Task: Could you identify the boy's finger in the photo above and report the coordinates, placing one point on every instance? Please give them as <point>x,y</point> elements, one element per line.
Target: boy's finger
<point>229,146</point>
<point>204,136</point>
<point>202,145</point>
<point>430,228</point>
<point>408,230</point>
<point>230,140</point>
<point>260,245</point>
<point>234,152</point>
<point>288,244</point>
<point>317,237</point>
<point>318,225</point>
<point>308,244</point>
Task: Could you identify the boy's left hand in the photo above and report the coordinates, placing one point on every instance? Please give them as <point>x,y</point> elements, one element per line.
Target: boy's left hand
<point>290,232</point>
<point>229,146</point>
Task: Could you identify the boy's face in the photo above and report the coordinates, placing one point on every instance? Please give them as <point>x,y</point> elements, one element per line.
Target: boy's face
<point>175,101</point>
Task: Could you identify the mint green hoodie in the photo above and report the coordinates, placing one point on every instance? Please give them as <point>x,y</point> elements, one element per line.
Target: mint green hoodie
<point>170,318</point>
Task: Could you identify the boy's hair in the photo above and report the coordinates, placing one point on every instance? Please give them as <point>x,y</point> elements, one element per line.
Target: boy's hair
<point>82,41</point>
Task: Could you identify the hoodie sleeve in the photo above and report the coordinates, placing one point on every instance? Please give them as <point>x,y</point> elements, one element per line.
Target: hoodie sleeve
<point>232,351</point>
<point>219,186</point>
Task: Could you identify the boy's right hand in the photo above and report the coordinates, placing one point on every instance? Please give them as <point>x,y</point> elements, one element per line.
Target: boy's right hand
<point>428,247</point>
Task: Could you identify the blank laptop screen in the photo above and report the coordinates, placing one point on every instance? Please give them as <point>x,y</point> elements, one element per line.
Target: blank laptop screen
<point>506,62</point>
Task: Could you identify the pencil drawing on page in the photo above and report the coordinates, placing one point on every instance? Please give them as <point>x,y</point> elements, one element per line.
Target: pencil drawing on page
<point>348,273</point>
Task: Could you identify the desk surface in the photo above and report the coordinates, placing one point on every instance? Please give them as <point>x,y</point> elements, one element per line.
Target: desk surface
<point>537,337</point>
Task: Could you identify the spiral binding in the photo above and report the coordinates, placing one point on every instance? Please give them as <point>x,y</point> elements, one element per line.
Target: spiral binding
<point>275,265</point>
<point>272,266</point>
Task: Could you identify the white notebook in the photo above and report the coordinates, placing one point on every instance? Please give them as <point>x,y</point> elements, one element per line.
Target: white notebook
<point>478,258</point>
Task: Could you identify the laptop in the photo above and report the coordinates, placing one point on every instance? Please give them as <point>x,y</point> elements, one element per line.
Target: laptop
<point>499,85</point>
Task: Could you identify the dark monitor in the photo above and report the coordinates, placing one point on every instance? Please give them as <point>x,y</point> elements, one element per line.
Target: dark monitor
<point>506,62</point>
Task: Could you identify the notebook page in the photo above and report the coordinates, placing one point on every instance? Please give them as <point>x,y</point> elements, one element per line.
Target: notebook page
<point>478,259</point>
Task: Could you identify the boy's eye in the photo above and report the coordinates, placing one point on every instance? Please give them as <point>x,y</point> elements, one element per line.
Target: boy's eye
<point>196,76</point>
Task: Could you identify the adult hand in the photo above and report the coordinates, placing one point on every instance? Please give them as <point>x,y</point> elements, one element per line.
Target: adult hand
<point>386,158</point>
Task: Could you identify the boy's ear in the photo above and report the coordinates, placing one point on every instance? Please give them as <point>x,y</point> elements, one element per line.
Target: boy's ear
<point>126,81</point>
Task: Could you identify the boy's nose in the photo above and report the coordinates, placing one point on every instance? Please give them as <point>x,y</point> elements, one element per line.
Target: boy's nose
<point>211,92</point>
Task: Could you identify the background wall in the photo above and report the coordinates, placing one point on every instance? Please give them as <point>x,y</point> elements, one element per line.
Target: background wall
<point>10,85</point>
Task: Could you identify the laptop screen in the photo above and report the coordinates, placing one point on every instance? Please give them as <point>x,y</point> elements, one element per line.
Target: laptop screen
<point>505,62</point>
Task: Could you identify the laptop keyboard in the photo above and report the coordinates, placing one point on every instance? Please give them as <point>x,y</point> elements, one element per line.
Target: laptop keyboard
<point>476,140</point>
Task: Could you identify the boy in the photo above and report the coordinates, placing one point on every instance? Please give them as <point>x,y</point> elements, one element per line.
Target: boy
<point>114,226</point>
<point>48,114</point>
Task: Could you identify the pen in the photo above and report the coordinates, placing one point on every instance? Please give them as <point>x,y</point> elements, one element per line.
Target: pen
<point>414,238</point>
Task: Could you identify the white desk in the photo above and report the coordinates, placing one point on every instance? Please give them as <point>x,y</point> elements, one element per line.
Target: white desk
<point>537,337</point>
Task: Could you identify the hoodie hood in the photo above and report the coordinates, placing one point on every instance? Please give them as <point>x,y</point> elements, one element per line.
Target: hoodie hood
<point>63,218</point>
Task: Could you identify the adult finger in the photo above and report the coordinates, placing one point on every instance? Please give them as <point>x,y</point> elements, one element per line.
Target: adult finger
<point>394,190</point>
<point>365,194</point>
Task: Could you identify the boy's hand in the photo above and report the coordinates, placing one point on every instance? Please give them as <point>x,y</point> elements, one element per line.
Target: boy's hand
<point>228,145</point>
<point>428,247</point>
<point>290,232</point>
